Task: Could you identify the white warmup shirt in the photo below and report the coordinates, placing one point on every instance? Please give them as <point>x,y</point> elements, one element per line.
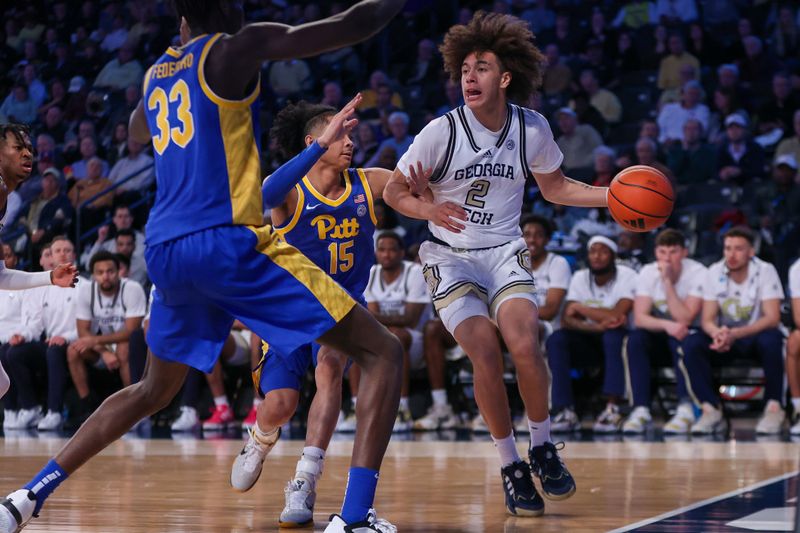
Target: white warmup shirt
<point>51,311</point>
<point>649,284</point>
<point>409,287</point>
<point>740,304</point>
<point>108,314</point>
<point>584,290</point>
<point>483,171</point>
<point>553,273</point>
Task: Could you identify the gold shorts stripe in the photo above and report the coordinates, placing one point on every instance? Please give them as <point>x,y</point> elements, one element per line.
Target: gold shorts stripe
<point>331,296</point>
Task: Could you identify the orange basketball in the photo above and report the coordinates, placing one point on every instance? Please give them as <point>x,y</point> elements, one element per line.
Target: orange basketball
<point>640,198</point>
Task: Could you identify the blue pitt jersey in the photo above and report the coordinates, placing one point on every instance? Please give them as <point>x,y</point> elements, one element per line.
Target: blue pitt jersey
<point>336,235</point>
<point>206,148</point>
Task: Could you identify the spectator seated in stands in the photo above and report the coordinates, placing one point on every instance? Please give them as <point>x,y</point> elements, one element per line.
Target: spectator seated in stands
<point>370,97</point>
<point>777,205</point>
<point>51,213</point>
<point>400,139</point>
<point>365,145</point>
<point>11,327</point>
<point>122,220</point>
<point>93,184</point>
<point>630,249</point>
<point>740,318</point>
<point>739,159</point>
<point>137,163</point>
<point>673,116</point>
<point>594,322</point>
<point>289,79</point>
<point>646,152</point>
<point>669,71</point>
<point>378,115</point>
<point>88,150</point>
<point>397,296</point>
<point>577,141</point>
<point>120,72</point>
<point>125,244</point>
<point>604,166</point>
<point>777,112</point>
<point>692,160</point>
<point>668,301</point>
<point>557,76</point>
<point>108,310</point>
<point>686,74</point>
<point>19,106</point>
<point>49,313</point>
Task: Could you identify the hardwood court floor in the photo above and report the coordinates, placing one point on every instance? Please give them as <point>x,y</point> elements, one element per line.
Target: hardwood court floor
<point>182,486</point>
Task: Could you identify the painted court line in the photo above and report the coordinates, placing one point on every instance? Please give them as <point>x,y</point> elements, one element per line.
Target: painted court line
<point>693,506</point>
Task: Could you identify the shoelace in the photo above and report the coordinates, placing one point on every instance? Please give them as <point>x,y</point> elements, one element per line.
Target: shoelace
<point>552,463</point>
<point>253,454</point>
<point>522,484</point>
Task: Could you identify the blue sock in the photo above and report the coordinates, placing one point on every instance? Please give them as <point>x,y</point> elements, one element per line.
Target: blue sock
<point>45,482</point>
<point>359,494</point>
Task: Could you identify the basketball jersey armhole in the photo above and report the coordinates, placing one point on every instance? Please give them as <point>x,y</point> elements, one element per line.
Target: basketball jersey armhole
<point>448,158</point>
<point>214,97</point>
<point>368,192</point>
<point>298,210</point>
<point>523,152</point>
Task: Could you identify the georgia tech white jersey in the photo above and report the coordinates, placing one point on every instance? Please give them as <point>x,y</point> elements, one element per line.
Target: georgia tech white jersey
<point>483,171</point>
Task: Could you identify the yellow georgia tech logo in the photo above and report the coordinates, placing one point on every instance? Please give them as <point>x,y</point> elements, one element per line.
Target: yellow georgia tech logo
<point>327,227</point>
<point>731,308</point>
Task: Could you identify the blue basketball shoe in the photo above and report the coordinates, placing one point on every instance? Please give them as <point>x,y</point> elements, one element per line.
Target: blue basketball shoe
<point>521,496</point>
<point>557,482</point>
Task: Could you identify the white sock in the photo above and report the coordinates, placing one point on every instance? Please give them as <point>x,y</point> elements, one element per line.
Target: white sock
<point>354,403</point>
<point>439,397</point>
<point>796,404</point>
<point>219,401</point>
<point>404,403</point>
<point>507,448</point>
<point>540,432</point>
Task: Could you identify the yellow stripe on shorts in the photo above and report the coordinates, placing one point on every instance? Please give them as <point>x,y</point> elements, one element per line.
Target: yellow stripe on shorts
<point>331,296</point>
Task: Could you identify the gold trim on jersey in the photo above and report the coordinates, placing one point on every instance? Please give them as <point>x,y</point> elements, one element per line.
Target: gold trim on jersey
<point>214,97</point>
<point>173,52</point>
<point>298,210</point>
<point>243,164</point>
<point>370,199</point>
<point>330,294</point>
<point>324,199</point>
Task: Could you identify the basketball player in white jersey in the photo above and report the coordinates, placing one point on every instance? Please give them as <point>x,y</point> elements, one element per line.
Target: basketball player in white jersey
<point>477,265</point>
<point>16,164</point>
<point>793,347</point>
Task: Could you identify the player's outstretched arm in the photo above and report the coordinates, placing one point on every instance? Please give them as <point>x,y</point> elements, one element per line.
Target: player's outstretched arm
<point>63,275</point>
<point>280,182</point>
<point>559,189</point>
<point>236,59</point>
<point>400,198</point>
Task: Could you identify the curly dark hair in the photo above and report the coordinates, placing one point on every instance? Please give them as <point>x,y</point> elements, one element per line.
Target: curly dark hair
<point>20,131</point>
<point>294,122</point>
<point>509,39</point>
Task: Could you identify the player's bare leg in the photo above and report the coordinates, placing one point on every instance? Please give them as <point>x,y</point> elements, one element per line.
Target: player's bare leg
<point>518,323</point>
<point>301,492</point>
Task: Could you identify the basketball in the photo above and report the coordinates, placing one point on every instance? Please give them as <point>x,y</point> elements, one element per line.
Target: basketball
<point>640,198</point>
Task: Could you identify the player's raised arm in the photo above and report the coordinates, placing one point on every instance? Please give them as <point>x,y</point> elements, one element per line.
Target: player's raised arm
<point>237,58</point>
<point>559,189</point>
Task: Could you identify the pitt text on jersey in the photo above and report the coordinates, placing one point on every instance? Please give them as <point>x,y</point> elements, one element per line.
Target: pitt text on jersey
<point>327,227</point>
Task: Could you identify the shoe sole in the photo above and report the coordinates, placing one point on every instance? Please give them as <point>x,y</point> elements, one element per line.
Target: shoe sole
<point>526,512</point>
<point>296,525</point>
<point>559,497</point>
<point>242,491</point>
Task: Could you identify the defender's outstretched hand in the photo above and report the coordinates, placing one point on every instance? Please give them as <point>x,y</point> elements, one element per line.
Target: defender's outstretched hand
<point>341,124</point>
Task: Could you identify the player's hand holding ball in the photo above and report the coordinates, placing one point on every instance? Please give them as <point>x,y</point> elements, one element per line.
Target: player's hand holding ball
<point>640,198</point>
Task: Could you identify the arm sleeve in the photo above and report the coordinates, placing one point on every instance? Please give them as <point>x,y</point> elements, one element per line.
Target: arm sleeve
<point>278,185</point>
<point>15,280</point>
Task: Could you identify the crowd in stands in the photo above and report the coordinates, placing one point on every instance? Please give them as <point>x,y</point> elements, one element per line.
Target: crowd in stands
<point>707,91</point>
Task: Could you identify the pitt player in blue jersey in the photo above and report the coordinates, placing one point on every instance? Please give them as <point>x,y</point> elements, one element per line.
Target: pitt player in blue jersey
<point>329,217</point>
<point>208,252</point>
